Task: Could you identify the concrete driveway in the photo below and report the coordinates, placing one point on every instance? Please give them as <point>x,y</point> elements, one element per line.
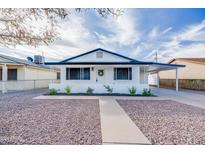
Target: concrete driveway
<point>189,97</point>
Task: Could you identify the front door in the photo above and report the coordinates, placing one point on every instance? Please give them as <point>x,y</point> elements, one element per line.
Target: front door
<point>100,76</point>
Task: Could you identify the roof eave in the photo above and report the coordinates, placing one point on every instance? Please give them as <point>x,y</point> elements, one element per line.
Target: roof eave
<point>88,52</point>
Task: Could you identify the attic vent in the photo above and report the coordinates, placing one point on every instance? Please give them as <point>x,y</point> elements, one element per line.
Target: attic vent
<point>99,54</point>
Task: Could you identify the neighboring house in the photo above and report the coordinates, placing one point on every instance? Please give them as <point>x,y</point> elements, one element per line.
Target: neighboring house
<point>190,77</point>
<point>18,74</point>
<point>100,67</point>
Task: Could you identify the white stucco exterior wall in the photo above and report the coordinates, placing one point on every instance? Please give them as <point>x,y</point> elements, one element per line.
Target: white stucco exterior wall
<point>119,86</point>
<point>139,79</point>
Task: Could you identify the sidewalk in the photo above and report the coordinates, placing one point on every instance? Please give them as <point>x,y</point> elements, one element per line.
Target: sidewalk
<point>116,126</point>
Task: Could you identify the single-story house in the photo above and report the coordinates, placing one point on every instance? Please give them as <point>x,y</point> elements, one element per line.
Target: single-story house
<point>101,67</point>
<point>19,74</point>
<point>190,77</point>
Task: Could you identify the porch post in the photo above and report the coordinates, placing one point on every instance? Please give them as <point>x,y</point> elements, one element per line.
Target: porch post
<point>177,80</point>
<point>158,80</point>
<point>4,78</point>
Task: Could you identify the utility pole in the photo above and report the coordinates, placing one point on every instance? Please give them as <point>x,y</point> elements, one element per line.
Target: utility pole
<point>158,78</point>
<point>156,57</point>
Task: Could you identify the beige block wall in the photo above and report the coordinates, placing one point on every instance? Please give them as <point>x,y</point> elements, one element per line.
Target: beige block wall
<point>37,74</point>
<point>191,71</point>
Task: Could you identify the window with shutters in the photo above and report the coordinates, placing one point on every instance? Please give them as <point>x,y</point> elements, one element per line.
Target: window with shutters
<point>78,73</point>
<point>123,73</point>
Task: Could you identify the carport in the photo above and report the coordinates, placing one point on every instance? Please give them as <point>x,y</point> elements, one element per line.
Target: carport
<point>155,68</point>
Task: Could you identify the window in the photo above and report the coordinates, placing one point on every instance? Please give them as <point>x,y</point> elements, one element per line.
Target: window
<point>58,76</point>
<point>123,73</point>
<point>99,54</point>
<point>143,75</point>
<point>12,74</point>
<point>78,73</point>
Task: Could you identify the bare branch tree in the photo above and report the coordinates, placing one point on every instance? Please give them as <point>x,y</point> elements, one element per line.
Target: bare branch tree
<point>37,26</point>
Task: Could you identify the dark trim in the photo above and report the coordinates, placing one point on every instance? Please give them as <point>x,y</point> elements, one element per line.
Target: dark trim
<point>88,52</point>
<point>113,63</point>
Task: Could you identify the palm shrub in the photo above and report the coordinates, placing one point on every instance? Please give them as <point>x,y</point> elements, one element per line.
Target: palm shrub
<point>132,91</point>
<point>68,90</point>
<point>147,92</point>
<point>52,91</point>
<point>89,90</point>
<point>109,89</point>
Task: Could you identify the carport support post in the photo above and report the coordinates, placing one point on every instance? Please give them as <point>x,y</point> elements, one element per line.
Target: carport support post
<point>177,80</point>
<point>4,78</point>
<point>157,79</point>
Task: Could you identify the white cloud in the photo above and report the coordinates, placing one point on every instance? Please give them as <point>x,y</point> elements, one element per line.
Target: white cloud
<point>75,37</point>
<point>122,30</point>
<point>154,33</point>
<point>193,33</point>
<point>166,30</point>
<point>187,42</point>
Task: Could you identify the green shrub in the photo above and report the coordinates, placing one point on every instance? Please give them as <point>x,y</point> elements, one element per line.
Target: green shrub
<point>147,92</point>
<point>109,89</point>
<point>68,90</point>
<point>89,90</point>
<point>132,91</point>
<point>52,91</point>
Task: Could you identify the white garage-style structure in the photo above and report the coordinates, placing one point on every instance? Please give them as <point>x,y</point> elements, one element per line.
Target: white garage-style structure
<point>100,67</point>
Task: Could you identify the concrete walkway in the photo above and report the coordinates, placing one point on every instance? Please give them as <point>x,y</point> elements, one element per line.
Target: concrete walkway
<point>116,126</point>
<point>186,97</point>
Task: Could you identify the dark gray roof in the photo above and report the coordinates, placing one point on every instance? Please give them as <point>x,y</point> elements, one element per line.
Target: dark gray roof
<point>13,60</point>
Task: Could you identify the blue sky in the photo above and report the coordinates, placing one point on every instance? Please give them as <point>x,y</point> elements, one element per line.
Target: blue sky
<point>138,33</point>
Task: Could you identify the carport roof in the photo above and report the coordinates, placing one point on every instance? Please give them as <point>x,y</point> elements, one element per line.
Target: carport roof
<point>157,67</point>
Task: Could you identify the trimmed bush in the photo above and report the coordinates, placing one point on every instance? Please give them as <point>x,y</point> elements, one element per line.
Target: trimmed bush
<point>147,92</point>
<point>89,90</point>
<point>68,90</point>
<point>109,89</point>
<point>132,91</point>
<point>52,91</point>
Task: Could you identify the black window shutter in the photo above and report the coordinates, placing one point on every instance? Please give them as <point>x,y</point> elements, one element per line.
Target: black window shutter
<point>67,73</point>
<point>115,73</point>
<point>130,73</point>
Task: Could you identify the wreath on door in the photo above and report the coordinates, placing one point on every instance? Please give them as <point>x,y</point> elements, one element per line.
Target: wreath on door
<point>100,72</point>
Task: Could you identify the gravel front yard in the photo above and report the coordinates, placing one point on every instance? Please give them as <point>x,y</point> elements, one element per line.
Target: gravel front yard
<point>166,121</point>
<point>27,121</point>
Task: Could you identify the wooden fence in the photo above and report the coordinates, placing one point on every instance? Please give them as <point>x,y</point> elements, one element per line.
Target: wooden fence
<point>194,84</point>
